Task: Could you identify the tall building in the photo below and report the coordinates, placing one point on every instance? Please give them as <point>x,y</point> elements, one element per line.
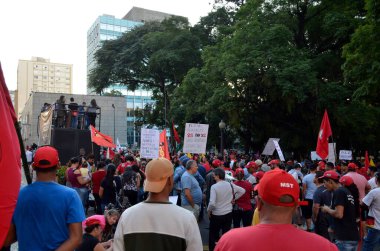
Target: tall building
<point>41,75</point>
<point>107,27</point>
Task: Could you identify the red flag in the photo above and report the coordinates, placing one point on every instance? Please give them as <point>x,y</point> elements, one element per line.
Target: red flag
<point>175,134</point>
<point>164,148</point>
<point>101,139</point>
<point>10,164</point>
<point>366,163</point>
<point>323,137</point>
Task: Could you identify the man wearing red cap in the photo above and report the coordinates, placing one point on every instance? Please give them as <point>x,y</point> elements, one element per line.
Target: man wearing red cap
<point>48,216</point>
<point>342,211</point>
<point>156,224</point>
<point>274,164</point>
<point>277,202</point>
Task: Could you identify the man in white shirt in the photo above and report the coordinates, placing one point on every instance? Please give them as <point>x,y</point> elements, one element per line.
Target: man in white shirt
<point>222,196</point>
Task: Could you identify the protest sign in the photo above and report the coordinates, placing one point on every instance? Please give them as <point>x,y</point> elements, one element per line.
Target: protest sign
<point>279,151</point>
<point>149,146</point>
<point>195,138</point>
<point>270,147</point>
<point>345,155</point>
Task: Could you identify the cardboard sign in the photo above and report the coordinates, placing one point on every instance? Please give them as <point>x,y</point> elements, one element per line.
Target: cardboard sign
<point>195,138</point>
<point>279,151</point>
<point>150,142</point>
<point>270,147</point>
<point>345,155</point>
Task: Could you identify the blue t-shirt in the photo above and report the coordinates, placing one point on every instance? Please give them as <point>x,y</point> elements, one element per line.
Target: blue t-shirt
<point>42,215</point>
<point>310,185</point>
<point>188,181</point>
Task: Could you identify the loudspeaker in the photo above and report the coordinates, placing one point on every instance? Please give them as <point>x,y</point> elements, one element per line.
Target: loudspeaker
<point>69,141</point>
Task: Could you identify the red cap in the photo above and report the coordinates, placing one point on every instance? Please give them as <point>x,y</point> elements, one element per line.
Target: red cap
<point>330,175</point>
<point>259,174</point>
<point>46,157</point>
<point>216,163</point>
<point>352,166</point>
<point>92,221</point>
<point>239,170</point>
<point>251,164</point>
<point>274,162</point>
<point>322,165</point>
<point>277,183</point>
<point>346,180</point>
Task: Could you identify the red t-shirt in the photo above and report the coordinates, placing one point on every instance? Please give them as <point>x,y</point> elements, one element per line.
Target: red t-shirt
<point>273,237</point>
<point>97,178</point>
<point>207,166</point>
<point>244,201</point>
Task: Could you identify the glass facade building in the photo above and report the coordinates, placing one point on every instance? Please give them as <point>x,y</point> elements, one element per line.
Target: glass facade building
<point>108,27</point>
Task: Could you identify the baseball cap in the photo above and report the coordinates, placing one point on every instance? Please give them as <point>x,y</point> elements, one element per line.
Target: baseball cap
<point>259,175</point>
<point>276,184</point>
<point>258,162</point>
<point>330,175</point>
<point>251,164</point>
<point>157,171</point>
<point>322,164</point>
<point>274,162</point>
<point>94,219</point>
<point>352,166</point>
<point>239,170</point>
<point>346,180</point>
<point>45,157</point>
<point>216,163</point>
<point>184,159</point>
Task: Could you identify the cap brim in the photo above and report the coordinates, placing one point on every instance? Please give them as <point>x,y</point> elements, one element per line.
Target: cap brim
<point>154,186</point>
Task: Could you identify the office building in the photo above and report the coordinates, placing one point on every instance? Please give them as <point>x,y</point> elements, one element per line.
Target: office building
<point>41,75</point>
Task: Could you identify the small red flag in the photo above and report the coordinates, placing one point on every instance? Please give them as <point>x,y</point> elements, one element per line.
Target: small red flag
<point>10,160</point>
<point>175,134</point>
<point>164,148</point>
<point>323,137</point>
<point>101,139</point>
<point>366,163</point>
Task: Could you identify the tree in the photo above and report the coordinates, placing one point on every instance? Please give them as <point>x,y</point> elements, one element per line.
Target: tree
<point>113,93</point>
<point>155,56</point>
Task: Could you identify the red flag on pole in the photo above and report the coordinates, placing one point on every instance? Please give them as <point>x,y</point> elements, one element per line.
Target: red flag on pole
<point>10,160</point>
<point>164,148</point>
<point>366,162</point>
<point>323,137</point>
<point>101,139</point>
<point>175,134</point>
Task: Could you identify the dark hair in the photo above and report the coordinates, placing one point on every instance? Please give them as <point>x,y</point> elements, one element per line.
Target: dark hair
<point>74,160</point>
<point>91,228</point>
<point>330,164</point>
<point>372,168</point>
<point>319,174</point>
<point>101,164</point>
<point>90,156</point>
<point>46,169</point>
<point>84,164</point>
<point>377,177</point>
<point>111,169</point>
<point>226,164</point>
<point>93,102</point>
<point>72,99</point>
<point>129,158</point>
<point>313,167</point>
<point>220,173</point>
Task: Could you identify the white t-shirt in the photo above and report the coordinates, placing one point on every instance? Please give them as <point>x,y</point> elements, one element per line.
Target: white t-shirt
<point>29,156</point>
<point>372,200</point>
<point>372,183</point>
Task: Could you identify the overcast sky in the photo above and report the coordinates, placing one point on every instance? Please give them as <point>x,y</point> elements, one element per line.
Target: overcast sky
<point>57,29</point>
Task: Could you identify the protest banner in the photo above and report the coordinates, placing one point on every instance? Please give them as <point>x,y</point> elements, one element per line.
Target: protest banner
<point>279,151</point>
<point>270,147</point>
<point>345,155</point>
<point>195,138</point>
<point>150,140</point>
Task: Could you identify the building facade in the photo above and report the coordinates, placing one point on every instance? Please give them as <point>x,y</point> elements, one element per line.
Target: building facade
<point>41,75</point>
<point>111,121</point>
<point>143,15</point>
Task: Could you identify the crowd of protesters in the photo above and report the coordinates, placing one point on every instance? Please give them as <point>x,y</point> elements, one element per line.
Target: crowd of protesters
<point>272,205</point>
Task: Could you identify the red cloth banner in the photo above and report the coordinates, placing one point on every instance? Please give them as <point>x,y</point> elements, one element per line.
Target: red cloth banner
<point>10,160</point>
<point>101,139</point>
<point>175,134</point>
<point>164,147</point>
<point>323,137</point>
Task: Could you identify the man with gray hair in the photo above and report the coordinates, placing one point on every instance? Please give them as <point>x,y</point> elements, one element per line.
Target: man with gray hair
<point>191,195</point>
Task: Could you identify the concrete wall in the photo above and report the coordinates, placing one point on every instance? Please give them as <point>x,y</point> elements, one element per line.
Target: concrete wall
<point>143,15</point>
<point>29,117</point>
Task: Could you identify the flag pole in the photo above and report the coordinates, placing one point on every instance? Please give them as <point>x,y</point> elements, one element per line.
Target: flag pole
<point>23,155</point>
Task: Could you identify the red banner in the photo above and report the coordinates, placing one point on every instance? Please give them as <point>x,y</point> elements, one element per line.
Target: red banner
<point>164,148</point>
<point>323,137</point>
<point>175,134</point>
<point>10,160</point>
<point>101,139</point>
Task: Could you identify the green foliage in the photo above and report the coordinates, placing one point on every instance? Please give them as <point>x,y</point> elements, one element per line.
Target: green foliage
<point>113,93</point>
<point>61,175</point>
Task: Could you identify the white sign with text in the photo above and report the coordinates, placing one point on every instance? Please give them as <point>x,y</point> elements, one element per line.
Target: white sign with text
<point>195,139</point>
<point>345,154</point>
<point>150,141</point>
<point>270,147</point>
<point>279,151</point>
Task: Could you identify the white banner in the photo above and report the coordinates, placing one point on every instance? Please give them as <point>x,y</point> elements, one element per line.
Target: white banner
<point>279,151</point>
<point>345,155</point>
<point>332,153</point>
<point>195,139</point>
<point>270,147</point>
<point>314,156</point>
<point>150,141</point>
<point>45,121</point>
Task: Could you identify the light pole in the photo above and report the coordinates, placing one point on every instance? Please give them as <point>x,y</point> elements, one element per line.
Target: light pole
<point>114,126</point>
<point>222,125</point>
